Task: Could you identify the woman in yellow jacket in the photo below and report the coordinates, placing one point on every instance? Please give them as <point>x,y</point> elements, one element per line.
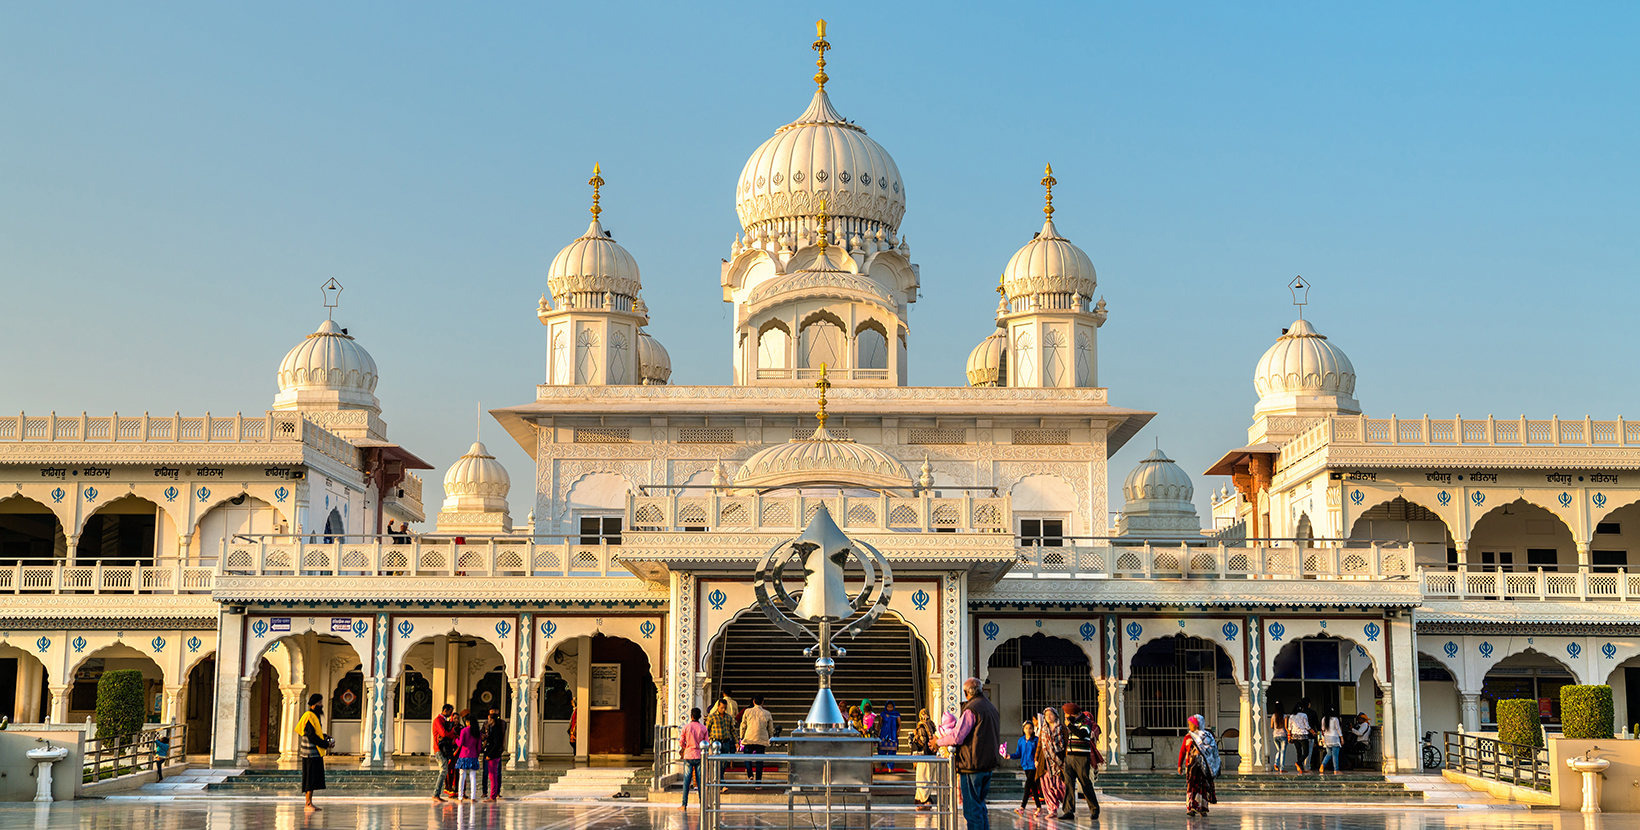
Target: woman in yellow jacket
<point>311,746</point>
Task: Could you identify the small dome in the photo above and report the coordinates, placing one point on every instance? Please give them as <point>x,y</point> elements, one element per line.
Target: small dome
<point>476,474</point>
<point>820,156</point>
<point>1049,264</point>
<point>654,364</point>
<point>1303,363</point>
<point>328,364</point>
<point>821,459</point>
<point>988,362</point>
<point>594,263</point>
<point>1157,478</point>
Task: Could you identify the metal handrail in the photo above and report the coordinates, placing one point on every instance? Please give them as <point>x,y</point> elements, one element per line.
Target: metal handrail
<point>132,754</point>
<point>666,757</point>
<point>1522,765</point>
<point>714,783</point>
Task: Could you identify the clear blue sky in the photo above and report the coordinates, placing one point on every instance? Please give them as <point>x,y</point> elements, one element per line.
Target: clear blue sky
<point>1458,180</point>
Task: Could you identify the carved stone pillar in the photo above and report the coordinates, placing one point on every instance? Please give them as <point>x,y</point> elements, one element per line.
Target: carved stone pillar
<point>290,712</point>
<point>242,714</point>
<point>1249,729</point>
<point>523,722</point>
<point>1118,698</point>
<point>1471,711</point>
<point>173,704</point>
<point>1101,717</point>
<point>374,735</point>
<point>59,703</point>
<point>1582,555</point>
<point>1386,735</point>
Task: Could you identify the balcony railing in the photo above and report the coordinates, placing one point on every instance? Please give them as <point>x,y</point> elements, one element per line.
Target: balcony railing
<point>792,513</point>
<point>1099,558</point>
<point>498,556</point>
<point>1461,431</point>
<point>162,577</point>
<point>1581,584</point>
<point>272,426</point>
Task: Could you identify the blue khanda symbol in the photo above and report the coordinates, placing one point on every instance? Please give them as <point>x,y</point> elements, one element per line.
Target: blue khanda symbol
<point>405,627</point>
<point>360,627</point>
<point>647,629</point>
<point>281,494</point>
<point>158,643</point>
<point>204,493</point>
<point>1486,650</point>
<point>1038,623</point>
<point>991,630</point>
<point>90,494</point>
<point>1088,630</point>
<point>1358,497</point>
<point>920,599</point>
<point>1565,499</point>
<point>717,598</point>
<point>1444,498</point>
<point>259,628</point>
<point>1609,650</point>
<point>549,628</point>
<point>1574,649</point>
<point>1230,630</point>
<point>1450,648</point>
<point>171,493</point>
<point>502,629</point>
<point>58,494</point>
<point>1599,499</point>
<point>1134,629</point>
<point>42,644</point>
<point>194,643</point>
<point>1478,498</point>
<point>1372,630</point>
<point>1276,629</point>
<point>79,644</point>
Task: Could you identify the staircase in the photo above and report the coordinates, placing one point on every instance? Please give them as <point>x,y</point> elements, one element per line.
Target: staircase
<point>1353,788</point>
<point>883,663</point>
<point>413,781</point>
<point>595,782</point>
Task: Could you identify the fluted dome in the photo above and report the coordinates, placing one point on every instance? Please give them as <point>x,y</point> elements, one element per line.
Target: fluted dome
<point>654,364</point>
<point>594,264</point>
<point>1302,362</point>
<point>988,362</point>
<point>329,369</point>
<point>821,459</point>
<point>1049,264</point>
<point>1157,477</point>
<point>820,156</point>
<point>476,474</point>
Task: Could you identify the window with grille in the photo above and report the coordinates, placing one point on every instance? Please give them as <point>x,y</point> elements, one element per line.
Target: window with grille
<point>805,433</point>
<point>603,435</point>
<point>1608,561</point>
<point>706,435</point>
<point>600,529</point>
<point>1042,436</point>
<point>919,435</point>
<point>1048,533</point>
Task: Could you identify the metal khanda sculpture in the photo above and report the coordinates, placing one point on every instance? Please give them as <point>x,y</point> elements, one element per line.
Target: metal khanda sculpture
<point>824,550</point>
<point>824,602</point>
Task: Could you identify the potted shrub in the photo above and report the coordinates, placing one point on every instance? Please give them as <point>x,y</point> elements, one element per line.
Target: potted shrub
<point>1586,712</point>
<point>121,704</point>
<point>1519,723</point>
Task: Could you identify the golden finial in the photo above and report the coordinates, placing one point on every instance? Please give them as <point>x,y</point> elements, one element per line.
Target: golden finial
<point>1002,280</point>
<point>822,384</point>
<point>596,181</point>
<point>822,228</point>
<point>1048,182</point>
<point>821,46</point>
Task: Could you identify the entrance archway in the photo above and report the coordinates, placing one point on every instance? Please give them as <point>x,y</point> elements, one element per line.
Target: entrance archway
<point>1523,537</point>
<point>200,710</point>
<point>1169,679</point>
<point>82,694</point>
<point>25,694</point>
<point>121,532</point>
<point>30,533</point>
<point>620,690</point>
<point>1326,672</point>
<point>1529,674</point>
<point>886,662</point>
<point>1028,674</point>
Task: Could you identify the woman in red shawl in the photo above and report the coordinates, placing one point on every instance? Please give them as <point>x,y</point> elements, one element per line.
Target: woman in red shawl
<point>1050,760</point>
<point>1199,763</point>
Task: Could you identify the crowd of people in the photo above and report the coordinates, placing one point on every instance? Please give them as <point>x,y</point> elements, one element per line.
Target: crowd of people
<point>1317,741</point>
<point>471,755</point>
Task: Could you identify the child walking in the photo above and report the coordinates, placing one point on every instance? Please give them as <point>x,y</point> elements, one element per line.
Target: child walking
<point>467,762</point>
<point>1025,753</point>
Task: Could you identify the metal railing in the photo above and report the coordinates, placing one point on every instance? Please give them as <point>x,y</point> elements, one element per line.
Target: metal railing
<point>665,771</point>
<point>715,784</point>
<point>133,754</point>
<point>162,577</point>
<point>1310,559</point>
<point>1581,584</point>
<point>1509,763</point>
<point>384,555</point>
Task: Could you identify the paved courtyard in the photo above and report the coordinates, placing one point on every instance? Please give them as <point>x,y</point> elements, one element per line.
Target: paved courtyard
<point>405,815</point>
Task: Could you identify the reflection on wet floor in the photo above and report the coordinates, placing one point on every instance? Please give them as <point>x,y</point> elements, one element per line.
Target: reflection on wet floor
<point>93,814</point>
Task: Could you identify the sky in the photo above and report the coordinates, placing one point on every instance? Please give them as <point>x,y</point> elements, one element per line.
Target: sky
<point>1458,181</point>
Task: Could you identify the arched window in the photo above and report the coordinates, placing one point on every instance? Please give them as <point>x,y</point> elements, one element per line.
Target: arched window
<point>871,347</point>
<point>773,345</point>
<point>822,342</point>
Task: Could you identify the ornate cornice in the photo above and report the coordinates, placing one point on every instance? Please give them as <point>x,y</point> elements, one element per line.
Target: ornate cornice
<point>1482,458</point>
<point>152,623</point>
<point>1526,612</point>
<point>379,591</point>
<point>109,606</point>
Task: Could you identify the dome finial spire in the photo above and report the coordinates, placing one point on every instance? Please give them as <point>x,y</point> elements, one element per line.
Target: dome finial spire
<point>1301,294</point>
<point>1048,181</point>
<point>822,233</point>
<point>820,46</point>
<point>822,384</point>
<point>333,296</point>
<point>597,182</point>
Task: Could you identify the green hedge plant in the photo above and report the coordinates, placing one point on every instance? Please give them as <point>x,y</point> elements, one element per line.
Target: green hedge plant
<point>1519,723</point>
<point>1586,712</point>
<point>121,704</point>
